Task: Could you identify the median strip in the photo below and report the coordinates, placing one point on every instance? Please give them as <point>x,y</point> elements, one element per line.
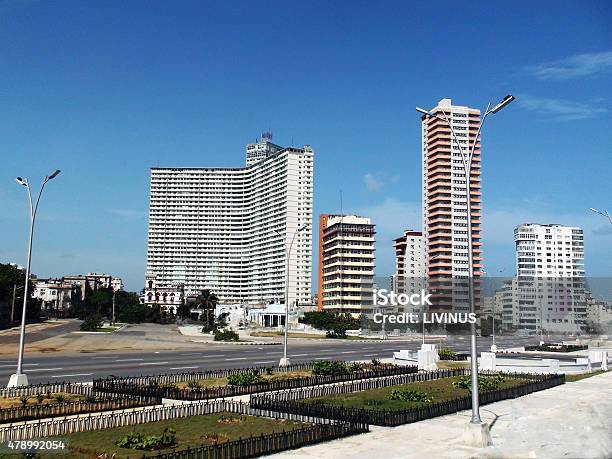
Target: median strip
<point>70,376</point>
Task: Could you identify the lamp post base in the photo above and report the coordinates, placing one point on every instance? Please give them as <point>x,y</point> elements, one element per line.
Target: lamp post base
<point>477,434</point>
<point>18,380</point>
<point>493,348</point>
<point>284,362</point>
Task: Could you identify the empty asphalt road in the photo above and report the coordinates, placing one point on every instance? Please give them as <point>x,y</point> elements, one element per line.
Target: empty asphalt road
<point>87,366</point>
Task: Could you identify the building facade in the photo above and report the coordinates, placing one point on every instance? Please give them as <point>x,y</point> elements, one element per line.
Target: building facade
<point>346,263</point>
<point>228,229</point>
<point>55,295</point>
<point>90,282</point>
<point>410,266</point>
<point>551,277</point>
<point>168,296</point>
<point>445,204</point>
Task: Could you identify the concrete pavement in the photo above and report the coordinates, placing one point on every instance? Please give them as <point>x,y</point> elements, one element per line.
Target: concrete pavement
<point>572,421</point>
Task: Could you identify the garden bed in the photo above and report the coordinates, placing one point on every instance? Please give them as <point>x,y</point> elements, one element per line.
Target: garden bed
<point>224,434</point>
<point>436,391</point>
<point>557,348</point>
<point>228,383</point>
<point>192,431</point>
<point>62,399</point>
<point>403,399</point>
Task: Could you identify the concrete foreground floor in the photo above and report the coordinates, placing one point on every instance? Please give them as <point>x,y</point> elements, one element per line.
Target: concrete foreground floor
<point>569,421</point>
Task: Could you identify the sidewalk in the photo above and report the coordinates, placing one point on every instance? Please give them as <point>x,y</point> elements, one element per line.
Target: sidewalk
<point>573,420</point>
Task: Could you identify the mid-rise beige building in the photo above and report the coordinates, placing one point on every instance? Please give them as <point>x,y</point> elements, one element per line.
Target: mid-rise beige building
<point>346,263</point>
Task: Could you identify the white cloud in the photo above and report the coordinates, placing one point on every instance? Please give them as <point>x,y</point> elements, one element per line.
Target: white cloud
<point>373,182</point>
<point>559,109</point>
<point>577,66</point>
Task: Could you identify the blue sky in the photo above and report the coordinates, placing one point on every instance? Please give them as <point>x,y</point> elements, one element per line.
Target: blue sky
<point>105,90</point>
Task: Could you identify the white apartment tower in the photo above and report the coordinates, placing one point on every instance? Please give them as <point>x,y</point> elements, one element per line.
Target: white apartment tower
<point>228,229</point>
<point>445,203</point>
<point>410,266</point>
<point>551,277</point>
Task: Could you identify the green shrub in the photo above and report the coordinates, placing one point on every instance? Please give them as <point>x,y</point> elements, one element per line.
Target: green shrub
<point>329,368</point>
<point>24,400</point>
<point>375,362</point>
<point>354,367</point>
<point>60,398</point>
<point>485,383</point>
<point>446,353</point>
<point>92,323</point>
<point>246,379</point>
<point>227,335</point>
<point>40,398</point>
<point>137,440</point>
<point>410,395</point>
<point>193,385</point>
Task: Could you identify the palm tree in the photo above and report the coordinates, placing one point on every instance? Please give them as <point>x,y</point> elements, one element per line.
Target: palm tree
<point>207,301</point>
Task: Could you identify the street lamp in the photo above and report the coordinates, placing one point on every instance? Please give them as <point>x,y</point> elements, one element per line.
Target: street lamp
<point>284,361</point>
<point>19,378</point>
<point>15,288</point>
<point>605,213</point>
<point>467,166</point>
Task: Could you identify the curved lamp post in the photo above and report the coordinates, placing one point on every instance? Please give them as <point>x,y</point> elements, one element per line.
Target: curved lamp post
<point>467,167</point>
<point>605,213</point>
<point>284,361</point>
<point>19,378</point>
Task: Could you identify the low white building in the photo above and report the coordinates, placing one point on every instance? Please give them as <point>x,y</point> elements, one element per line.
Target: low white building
<point>54,294</point>
<point>273,316</point>
<point>168,296</point>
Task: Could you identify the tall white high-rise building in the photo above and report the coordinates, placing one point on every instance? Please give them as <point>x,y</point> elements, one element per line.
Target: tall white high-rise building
<point>551,277</point>
<point>228,229</point>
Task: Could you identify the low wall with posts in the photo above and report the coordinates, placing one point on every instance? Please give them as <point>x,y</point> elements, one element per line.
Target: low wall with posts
<point>595,360</point>
<point>68,425</point>
<point>293,401</point>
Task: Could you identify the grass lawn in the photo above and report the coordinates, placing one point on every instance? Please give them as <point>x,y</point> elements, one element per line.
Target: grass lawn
<point>574,378</point>
<point>216,382</point>
<point>452,364</point>
<point>194,431</point>
<point>378,399</point>
<point>14,402</point>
